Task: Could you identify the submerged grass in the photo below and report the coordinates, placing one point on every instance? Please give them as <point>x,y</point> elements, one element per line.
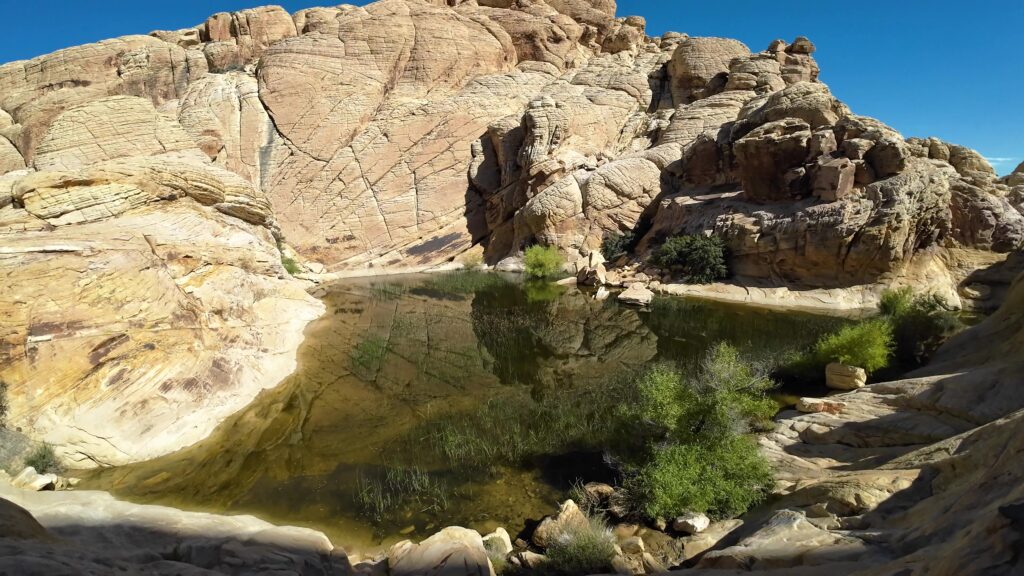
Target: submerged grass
<point>399,489</point>
<point>463,282</point>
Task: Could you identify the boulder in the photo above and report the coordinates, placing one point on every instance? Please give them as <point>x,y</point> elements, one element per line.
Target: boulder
<point>568,518</point>
<point>821,405</point>
<point>596,276</point>
<point>637,295</point>
<point>29,479</point>
<point>633,545</point>
<point>767,155</point>
<point>698,61</point>
<point>834,179</point>
<point>842,377</point>
<point>498,543</point>
<point>691,523</point>
<point>453,551</point>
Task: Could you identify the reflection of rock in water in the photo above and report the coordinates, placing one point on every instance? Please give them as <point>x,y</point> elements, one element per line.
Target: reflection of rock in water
<point>571,340</point>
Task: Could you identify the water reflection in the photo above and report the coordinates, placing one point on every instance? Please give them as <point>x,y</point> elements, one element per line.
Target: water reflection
<point>368,440</point>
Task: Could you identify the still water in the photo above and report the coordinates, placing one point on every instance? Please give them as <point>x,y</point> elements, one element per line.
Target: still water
<point>427,401</point>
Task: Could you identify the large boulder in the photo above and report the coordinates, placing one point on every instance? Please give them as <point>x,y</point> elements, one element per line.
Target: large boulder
<point>697,62</point>
<point>453,551</point>
<point>771,159</point>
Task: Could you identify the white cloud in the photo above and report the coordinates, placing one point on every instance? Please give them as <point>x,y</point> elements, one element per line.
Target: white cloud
<point>1003,164</point>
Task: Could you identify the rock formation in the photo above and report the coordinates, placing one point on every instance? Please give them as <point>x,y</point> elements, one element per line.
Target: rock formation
<point>149,183</point>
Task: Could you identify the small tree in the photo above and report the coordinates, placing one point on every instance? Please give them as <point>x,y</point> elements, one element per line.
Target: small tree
<point>698,259</point>
<point>542,261</point>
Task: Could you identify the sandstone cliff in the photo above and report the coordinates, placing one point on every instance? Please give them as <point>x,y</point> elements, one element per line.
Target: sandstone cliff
<point>146,182</point>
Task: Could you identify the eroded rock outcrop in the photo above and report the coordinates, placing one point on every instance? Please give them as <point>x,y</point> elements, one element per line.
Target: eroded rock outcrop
<point>146,173</point>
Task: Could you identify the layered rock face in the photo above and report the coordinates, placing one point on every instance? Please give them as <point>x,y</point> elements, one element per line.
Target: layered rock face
<point>148,173</point>
<point>143,295</point>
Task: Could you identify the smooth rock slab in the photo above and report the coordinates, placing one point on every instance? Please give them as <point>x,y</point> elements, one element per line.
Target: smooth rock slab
<point>637,294</point>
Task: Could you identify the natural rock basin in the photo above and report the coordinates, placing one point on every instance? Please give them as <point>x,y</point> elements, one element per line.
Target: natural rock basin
<point>396,363</point>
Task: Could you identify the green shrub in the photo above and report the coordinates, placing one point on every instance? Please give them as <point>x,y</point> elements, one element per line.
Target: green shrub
<point>867,344</point>
<point>583,549</point>
<point>542,261</point>
<point>723,478</point>
<point>920,324</point>
<point>701,457</point>
<point>896,301</point>
<point>290,265</point>
<point>698,259</point>
<point>44,460</point>
<point>616,245</point>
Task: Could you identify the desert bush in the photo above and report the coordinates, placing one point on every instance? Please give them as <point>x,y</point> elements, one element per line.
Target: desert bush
<point>44,460</point>
<point>896,301</point>
<point>867,344</point>
<point>697,259</point>
<point>616,245</point>
<point>290,265</point>
<point>723,478</point>
<point>542,261</point>
<point>583,549</point>
<point>921,323</point>
<point>701,454</point>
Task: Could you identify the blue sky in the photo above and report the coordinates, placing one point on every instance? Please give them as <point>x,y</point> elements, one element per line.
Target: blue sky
<point>926,67</point>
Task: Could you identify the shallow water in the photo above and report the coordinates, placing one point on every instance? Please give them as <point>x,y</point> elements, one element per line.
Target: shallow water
<point>406,382</point>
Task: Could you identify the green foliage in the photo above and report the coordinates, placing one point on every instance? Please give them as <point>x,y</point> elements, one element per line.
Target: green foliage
<point>539,291</point>
<point>380,497</point>
<point>463,282</point>
<point>867,344</point>
<point>921,323</point>
<point>388,291</point>
<point>290,265</point>
<point>896,301</point>
<point>44,460</point>
<point>698,259</point>
<point>367,356</point>
<point>542,261</point>
<point>702,457</point>
<point>616,245</point>
<point>723,478</point>
<point>583,549</point>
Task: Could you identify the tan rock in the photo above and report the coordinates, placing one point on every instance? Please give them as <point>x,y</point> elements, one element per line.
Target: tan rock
<point>834,179</point>
<point>107,129</point>
<point>451,552</point>
<point>817,405</point>
<point>637,294</point>
<point>568,518</point>
<point>767,153</point>
<point>843,377</point>
<point>698,61</point>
